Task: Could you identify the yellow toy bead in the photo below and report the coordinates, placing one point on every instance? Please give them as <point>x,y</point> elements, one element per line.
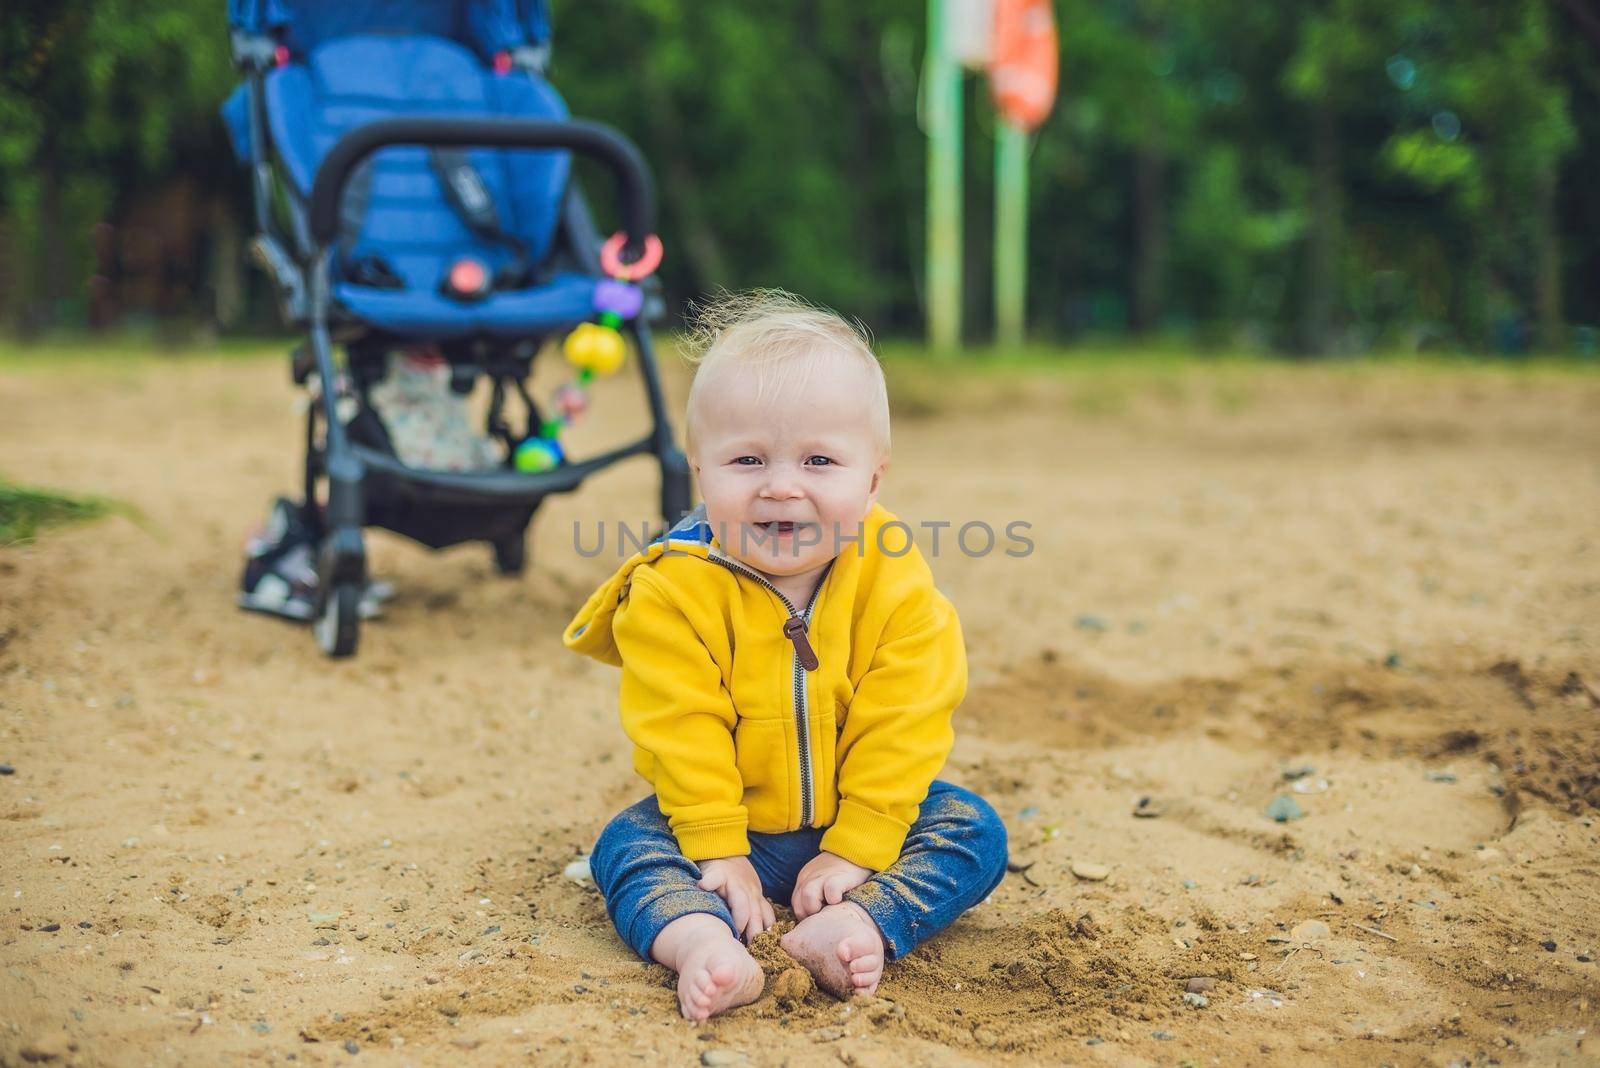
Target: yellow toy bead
<point>597,348</point>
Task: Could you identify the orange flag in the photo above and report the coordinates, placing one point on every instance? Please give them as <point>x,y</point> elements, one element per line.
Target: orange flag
<point>1022,74</point>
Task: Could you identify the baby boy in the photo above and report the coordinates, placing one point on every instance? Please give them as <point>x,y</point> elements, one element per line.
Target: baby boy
<point>789,673</point>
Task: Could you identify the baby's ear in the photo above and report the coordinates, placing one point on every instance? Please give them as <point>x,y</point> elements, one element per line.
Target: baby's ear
<point>877,481</point>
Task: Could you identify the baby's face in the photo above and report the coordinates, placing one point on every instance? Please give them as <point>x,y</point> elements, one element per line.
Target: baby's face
<point>781,476</point>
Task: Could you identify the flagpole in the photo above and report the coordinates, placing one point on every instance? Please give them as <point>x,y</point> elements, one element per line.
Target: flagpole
<point>942,86</point>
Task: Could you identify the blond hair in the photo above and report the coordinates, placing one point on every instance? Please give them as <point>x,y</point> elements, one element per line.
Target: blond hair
<point>781,336</point>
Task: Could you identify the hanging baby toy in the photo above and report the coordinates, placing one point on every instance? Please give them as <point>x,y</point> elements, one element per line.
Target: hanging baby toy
<point>594,348</point>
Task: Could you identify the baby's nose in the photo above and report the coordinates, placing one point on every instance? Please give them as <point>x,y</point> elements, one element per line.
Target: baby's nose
<point>781,482</point>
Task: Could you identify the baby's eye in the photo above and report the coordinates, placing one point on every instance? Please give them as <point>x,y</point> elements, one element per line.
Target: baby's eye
<point>819,461</point>
<point>750,459</point>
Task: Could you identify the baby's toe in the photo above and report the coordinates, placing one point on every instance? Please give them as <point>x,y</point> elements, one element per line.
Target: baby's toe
<point>865,964</point>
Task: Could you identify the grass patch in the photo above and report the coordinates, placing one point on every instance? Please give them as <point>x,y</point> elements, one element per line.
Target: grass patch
<point>25,511</point>
<point>93,352</point>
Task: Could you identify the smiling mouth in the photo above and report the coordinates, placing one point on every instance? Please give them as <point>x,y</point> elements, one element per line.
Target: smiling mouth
<point>779,529</point>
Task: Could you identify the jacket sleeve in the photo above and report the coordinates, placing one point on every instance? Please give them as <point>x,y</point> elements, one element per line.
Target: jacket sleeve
<point>675,707</point>
<point>897,732</point>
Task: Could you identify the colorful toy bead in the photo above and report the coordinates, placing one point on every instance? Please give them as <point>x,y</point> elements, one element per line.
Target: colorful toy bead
<point>571,401</point>
<point>537,455</point>
<point>595,347</point>
<point>622,299</point>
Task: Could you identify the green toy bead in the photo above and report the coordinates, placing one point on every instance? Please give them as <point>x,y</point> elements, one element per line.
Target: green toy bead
<point>538,454</point>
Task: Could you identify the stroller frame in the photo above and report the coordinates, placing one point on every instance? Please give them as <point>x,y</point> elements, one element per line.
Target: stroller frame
<point>368,486</point>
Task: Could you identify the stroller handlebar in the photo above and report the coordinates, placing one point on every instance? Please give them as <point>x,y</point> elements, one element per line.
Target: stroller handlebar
<point>595,139</point>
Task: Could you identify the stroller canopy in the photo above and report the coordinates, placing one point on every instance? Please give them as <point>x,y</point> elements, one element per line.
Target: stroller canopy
<point>360,61</point>
<point>485,26</point>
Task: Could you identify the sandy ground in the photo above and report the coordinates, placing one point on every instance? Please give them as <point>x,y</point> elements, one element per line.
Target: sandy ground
<point>1375,592</point>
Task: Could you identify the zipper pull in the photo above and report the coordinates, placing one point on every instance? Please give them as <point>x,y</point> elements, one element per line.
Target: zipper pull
<point>794,628</point>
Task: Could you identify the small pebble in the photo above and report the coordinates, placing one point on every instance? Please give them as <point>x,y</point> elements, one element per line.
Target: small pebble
<point>261,1027</point>
<point>1199,1001</point>
<point>50,928</point>
<point>7,769</point>
<point>1090,872</point>
<point>721,1056</point>
<point>1162,1036</point>
<point>1200,984</point>
<point>1094,623</point>
<point>1549,945</point>
<point>1291,774</point>
<point>1441,776</point>
<point>1149,808</point>
<point>1309,931</point>
<point>1284,808</point>
<point>578,871</point>
<point>350,1046</point>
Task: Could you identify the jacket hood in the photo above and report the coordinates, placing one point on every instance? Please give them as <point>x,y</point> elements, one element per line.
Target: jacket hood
<point>590,630</point>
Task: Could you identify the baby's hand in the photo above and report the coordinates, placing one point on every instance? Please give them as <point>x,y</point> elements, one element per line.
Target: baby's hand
<point>825,880</point>
<point>735,881</point>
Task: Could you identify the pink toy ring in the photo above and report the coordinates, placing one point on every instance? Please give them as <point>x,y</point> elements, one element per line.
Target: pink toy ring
<point>643,267</point>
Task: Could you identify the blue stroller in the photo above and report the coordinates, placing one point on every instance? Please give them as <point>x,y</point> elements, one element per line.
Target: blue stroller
<point>411,172</point>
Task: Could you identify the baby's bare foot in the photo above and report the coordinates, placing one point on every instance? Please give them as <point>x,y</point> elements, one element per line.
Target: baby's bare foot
<point>841,948</point>
<point>715,972</point>
<point>717,976</point>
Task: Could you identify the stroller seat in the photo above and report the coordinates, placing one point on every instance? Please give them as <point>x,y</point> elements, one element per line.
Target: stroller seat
<point>398,222</point>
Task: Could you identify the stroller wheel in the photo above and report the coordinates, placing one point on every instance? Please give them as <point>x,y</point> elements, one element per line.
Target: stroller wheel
<point>338,625</point>
<point>511,554</point>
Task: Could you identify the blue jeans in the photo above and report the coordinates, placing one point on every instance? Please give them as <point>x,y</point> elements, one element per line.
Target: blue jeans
<point>953,857</point>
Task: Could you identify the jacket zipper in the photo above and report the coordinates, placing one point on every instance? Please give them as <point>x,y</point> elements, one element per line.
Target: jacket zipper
<point>805,659</point>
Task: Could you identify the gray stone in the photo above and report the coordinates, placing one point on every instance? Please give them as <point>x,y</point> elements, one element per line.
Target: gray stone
<point>1284,808</point>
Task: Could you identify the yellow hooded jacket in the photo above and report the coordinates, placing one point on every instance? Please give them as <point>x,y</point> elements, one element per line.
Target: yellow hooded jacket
<point>749,713</point>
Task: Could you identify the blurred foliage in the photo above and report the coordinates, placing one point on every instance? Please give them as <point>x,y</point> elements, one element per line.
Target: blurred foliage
<point>1338,175</point>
